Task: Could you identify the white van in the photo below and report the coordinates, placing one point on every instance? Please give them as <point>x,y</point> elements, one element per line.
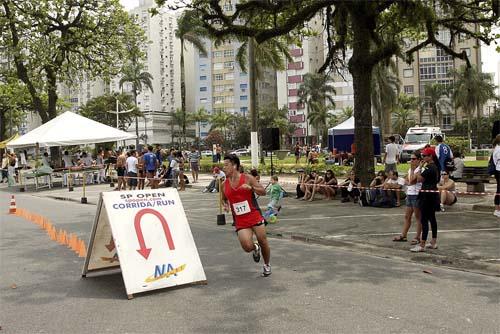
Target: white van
<point>416,138</point>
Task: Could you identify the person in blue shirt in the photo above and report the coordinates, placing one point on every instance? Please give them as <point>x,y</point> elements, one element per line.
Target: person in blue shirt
<point>151,164</point>
<point>443,153</point>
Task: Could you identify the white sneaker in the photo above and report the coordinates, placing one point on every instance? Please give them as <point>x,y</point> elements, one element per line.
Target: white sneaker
<point>204,190</point>
<point>497,213</point>
<point>267,270</point>
<point>442,207</point>
<point>417,249</point>
<point>214,191</point>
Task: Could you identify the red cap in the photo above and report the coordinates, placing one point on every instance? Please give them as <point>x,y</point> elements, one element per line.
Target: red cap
<point>216,169</point>
<point>428,151</point>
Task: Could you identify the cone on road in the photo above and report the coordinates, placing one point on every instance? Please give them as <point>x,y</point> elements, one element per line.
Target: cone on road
<point>82,252</point>
<point>12,207</point>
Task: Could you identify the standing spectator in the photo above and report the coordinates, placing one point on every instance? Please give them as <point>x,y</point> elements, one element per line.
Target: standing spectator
<point>306,151</point>
<point>412,191</point>
<point>158,154</point>
<point>218,153</point>
<point>458,162</point>
<point>11,169</point>
<point>121,161</point>
<point>194,163</point>
<point>174,171</point>
<point>496,161</point>
<point>68,163</point>
<point>391,157</point>
<point>151,164</point>
<point>24,156</point>
<point>99,161</point>
<point>141,170</point>
<point>443,153</point>
<point>5,167</point>
<point>131,164</point>
<point>428,202</point>
<point>296,152</point>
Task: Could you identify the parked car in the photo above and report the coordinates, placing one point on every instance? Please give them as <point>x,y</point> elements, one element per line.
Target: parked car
<point>241,151</point>
<point>206,153</point>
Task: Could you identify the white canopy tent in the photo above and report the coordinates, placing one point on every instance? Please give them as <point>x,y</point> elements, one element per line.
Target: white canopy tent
<point>69,129</point>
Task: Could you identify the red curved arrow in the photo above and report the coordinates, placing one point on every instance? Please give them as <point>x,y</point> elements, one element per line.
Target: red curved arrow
<point>140,237</point>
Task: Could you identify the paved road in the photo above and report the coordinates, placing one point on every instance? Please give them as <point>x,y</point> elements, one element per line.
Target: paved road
<point>313,288</point>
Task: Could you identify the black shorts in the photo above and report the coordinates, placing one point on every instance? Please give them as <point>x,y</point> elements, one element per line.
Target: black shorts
<point>120,171</point>
<point>133,180</point>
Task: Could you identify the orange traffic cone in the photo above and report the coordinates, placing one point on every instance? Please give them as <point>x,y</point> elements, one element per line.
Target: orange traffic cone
<point>82,252</point>
<point>12,208</point>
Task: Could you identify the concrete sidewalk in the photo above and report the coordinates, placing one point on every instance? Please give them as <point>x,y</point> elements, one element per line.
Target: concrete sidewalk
<point>468,238</point>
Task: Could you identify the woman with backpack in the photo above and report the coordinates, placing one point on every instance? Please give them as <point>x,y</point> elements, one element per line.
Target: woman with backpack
<point>495,167</point>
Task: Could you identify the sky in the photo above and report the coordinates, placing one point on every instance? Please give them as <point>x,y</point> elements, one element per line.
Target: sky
<point>490,58</point>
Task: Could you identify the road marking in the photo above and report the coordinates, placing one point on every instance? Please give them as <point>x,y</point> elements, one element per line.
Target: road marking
<point>384,234</point>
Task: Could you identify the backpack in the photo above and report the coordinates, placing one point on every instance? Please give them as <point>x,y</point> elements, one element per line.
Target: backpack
<point>491,166</point>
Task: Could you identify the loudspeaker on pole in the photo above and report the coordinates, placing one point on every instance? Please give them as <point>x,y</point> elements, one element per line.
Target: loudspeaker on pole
<point>270,139</point>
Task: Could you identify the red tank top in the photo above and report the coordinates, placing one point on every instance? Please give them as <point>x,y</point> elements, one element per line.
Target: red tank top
<point>244,206</point>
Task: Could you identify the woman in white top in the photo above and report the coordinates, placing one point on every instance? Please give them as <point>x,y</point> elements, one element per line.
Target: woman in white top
<point>412,189</point>
<point>496,161</point>
<point>446,187</point>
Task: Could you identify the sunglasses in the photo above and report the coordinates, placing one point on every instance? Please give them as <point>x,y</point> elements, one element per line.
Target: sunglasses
<point>413,158</point>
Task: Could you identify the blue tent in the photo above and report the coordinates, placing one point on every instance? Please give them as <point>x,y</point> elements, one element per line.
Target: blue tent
<point>342,136</point>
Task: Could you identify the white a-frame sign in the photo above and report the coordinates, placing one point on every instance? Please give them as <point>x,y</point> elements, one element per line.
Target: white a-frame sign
<point>147,235</point>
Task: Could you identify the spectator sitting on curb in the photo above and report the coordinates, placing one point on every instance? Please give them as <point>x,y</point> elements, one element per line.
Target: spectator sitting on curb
<point>393,187</point>
<point>312,186</point>
<point>350,188</point>
<point>213,187</point>
<point>446,187</point>
<point>376,185</point>
<point>301,183</point>
<point>329,188</point>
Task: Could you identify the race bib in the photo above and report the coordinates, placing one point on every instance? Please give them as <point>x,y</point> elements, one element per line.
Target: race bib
<point>241,208</point>
<point>349,187</point>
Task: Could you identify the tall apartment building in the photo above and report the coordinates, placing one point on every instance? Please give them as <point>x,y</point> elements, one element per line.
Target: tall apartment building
<point>306,59</point>
<point>434,65</point>
<point>219,85</point>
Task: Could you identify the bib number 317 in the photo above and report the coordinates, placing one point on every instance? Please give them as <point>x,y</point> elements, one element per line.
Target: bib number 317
<point>241,208</point>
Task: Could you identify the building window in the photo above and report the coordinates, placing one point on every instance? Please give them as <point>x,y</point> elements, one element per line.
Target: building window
<point>217,54</point>
<point>443,69</point>
<point>230,99</point>
<point>408,72</point>
<point>202,55</point>
<point>203,89</point>
<point>203,100</point>
<point>218,99</point>
<point>218,110</point>
<point>467,51</point>
<point>244,110</point>
<point>408,90</point>
<point>243,97</point>
<point>447,122</point>
<point>228,88</point>
<point>73,100</point>
<point>243,74</point>
<point>229,76</point>
<point>203,66</point>
<point>228,53</point>
<point>203,77</point>
<point>243,86</point>
<point>218,88</point>
<point>229,64</point>
<point>228,7</point>
<point>218,66</point>
<point>427,71</point>
<point>218,77</point>
<point>441,55</point>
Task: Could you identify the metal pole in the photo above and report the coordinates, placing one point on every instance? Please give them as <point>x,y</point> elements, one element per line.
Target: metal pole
<point>117,121</point>
<point>84,199</point>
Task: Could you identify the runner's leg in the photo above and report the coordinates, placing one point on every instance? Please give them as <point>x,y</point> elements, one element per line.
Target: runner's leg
<point>245,236</point>
<point>260,233</point>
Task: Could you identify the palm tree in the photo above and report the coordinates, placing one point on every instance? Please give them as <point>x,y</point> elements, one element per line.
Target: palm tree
<point>319,117</point>
<point>221,121</point>
<point>133,73</point>
<point>385,89</point>
<point>471,90</point>
<point>437,97</point>
<point>270,116</point>
<point>345,114</point>
<point>189,29</point>
<point>403,113</point>
<point>199,116</point>
<point>314,92</point>
<point>181,120</point>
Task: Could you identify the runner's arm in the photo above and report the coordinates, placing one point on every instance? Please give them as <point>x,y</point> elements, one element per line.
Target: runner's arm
<point>257,188</point>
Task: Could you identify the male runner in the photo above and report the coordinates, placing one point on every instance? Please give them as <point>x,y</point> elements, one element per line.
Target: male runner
<point>238,194</point>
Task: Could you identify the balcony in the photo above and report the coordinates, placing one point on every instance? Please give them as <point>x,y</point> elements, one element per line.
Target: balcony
<point>299,132</point>
<point>295,106</point>
<point>293,92</point>
<point>295,79</point>
<point>296,66</point>
<point>297,118</point>
<point>296,52</point>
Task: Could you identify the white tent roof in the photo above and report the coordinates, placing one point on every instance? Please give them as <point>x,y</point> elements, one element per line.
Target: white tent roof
<point>70,129</point>
<point>347,127</point>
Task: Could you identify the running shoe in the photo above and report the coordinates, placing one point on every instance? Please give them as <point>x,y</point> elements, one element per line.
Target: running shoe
<point>497,213</point>
<point>417,249</point>
<point>256,253</point>
<point>267,270</point>
<point>441,206</point>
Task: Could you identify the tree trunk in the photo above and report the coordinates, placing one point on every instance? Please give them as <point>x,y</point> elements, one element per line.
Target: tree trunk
<point>478,122</point>
<point>469,130</point>
<point>52,112</point>
<point>136,122</point>
<point>183,94</point>
<point>362,75</point>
